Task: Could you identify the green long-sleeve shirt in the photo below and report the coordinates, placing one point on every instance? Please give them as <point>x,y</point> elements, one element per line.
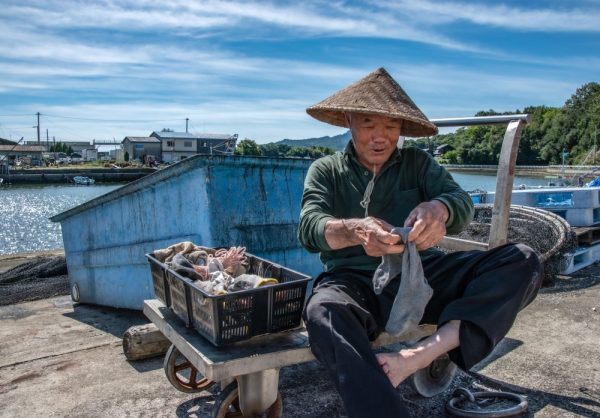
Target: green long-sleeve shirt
<point>335,185</point>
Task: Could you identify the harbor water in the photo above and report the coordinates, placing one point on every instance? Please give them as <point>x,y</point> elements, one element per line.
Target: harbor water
<point>24,213</point>
<point>24,210</point>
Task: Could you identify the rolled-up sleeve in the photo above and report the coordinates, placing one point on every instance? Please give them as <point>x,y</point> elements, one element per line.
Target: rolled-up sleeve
<point>317,208</point>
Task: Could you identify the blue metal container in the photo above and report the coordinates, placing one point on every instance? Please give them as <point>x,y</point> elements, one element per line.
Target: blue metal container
<point>212,201</point>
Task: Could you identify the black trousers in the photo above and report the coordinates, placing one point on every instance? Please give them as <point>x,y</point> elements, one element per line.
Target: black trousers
<point>483,289</point>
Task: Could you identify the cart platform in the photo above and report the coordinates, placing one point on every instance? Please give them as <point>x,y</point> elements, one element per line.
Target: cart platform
<point>253,355</point>
<point>255,363</point>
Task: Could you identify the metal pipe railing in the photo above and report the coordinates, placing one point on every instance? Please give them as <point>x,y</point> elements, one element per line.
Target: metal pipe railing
<point>479,120</point>
<point>504,176</point>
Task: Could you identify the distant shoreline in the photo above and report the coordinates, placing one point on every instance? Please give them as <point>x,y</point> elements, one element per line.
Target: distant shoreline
<point>526,171</point>
<point>65,175</point>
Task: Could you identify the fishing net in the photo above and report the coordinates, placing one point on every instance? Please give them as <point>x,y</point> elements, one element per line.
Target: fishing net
<point>548,234</point>
<point>39,278</point>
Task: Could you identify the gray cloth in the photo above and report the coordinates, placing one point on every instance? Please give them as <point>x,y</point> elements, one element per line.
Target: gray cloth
<point>413,293</point>
<point>181,265</point>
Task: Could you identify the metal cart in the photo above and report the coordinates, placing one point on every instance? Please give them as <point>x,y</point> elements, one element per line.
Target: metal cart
<point>248,371</point>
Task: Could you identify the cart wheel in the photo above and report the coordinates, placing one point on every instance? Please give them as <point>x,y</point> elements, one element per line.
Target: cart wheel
<point>182,374</point>
<point>435,378</point>
<point>227,405</point>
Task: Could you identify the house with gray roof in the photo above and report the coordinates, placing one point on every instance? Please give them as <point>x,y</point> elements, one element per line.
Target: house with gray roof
<point>139,147</point>
<point>442,149</point>
<point>176,146</point>
<point>11,154</point>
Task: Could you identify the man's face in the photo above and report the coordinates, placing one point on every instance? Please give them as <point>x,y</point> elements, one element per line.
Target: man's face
<point>375,138</point>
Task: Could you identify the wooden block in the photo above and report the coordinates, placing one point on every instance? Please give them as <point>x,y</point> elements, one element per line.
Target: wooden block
<point>587,235</point>
<point>144,341</point>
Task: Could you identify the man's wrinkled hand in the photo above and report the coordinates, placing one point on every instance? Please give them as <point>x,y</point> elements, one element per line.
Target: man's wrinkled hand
<point>375,237</point>
<point>428,222</point>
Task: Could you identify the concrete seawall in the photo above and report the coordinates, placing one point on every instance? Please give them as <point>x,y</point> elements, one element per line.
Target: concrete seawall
<point>524,170</point>
<point>101,175</point>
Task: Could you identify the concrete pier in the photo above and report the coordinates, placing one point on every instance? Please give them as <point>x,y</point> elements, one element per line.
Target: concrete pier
<point>65,359</point>
<point>65,175</point>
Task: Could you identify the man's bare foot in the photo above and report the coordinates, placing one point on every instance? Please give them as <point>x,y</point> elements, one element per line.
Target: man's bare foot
<point>399,366</point>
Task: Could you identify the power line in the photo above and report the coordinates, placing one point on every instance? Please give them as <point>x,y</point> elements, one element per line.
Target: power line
<point>71,133</point>
<point>94,119</point>
<point>113,120</point>
<point>11,132</point>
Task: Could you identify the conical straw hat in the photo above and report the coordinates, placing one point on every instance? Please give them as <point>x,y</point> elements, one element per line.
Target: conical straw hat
<point>378,93</point>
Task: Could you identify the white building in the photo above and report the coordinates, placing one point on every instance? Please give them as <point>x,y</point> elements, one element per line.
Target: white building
<point>89,154</point>
<point>117,155</point>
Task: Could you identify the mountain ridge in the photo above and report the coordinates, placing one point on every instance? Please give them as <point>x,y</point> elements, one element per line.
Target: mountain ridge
<point>336,142</point>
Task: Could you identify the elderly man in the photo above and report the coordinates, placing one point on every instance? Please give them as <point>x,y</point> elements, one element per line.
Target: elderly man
<point>351,203</point>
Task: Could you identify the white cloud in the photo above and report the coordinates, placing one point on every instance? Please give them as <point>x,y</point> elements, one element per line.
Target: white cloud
<point>567,19</point>
<point>304,19</point>
<point>440,91</point>
<point>133,60</point>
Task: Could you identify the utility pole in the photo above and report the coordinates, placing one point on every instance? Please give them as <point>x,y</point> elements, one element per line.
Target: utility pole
<point>186,124</point>
<point>47,140</point>
<point>38,127</point>
<point>595,132</point>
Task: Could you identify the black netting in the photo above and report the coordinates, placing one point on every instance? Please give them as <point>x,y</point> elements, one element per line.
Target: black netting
<point>547,233</point>
<point>39,278</point>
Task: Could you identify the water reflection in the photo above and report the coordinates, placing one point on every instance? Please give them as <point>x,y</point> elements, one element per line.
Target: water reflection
<point>470,181</point>
<point>24,213</point>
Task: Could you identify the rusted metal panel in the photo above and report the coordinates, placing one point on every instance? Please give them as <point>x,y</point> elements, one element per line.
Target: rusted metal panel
<point>504,183</point>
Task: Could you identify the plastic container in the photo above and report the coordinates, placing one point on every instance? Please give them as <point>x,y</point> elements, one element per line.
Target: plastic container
<point>236,316</point>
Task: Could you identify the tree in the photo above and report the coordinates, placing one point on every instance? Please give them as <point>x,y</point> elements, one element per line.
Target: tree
<point>126,156</point>
<point>450,157</point>
<point>61,147</point>
<point>274,150</point>
<point>247,147</point>
<point>573,127</point>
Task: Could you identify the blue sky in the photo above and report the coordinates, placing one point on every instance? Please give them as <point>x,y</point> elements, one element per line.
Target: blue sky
<point>108,69</point>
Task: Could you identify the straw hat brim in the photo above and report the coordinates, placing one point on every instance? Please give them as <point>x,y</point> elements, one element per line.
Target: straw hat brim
<point>378,94</point>
<point>411,126</point>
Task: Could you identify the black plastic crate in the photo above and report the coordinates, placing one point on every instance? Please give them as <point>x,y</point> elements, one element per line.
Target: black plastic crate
<point>238,316</point>
<point>159,282</point>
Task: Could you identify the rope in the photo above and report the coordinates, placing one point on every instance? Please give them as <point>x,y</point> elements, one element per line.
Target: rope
<point>368,191</point>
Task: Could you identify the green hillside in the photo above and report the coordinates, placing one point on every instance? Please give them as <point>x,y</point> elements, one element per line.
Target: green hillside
<point>6,142</point>
<point>574,128</point>
<point>337,142</point>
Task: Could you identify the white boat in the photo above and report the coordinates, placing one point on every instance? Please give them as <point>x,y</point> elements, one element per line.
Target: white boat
<point>83,180</point>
